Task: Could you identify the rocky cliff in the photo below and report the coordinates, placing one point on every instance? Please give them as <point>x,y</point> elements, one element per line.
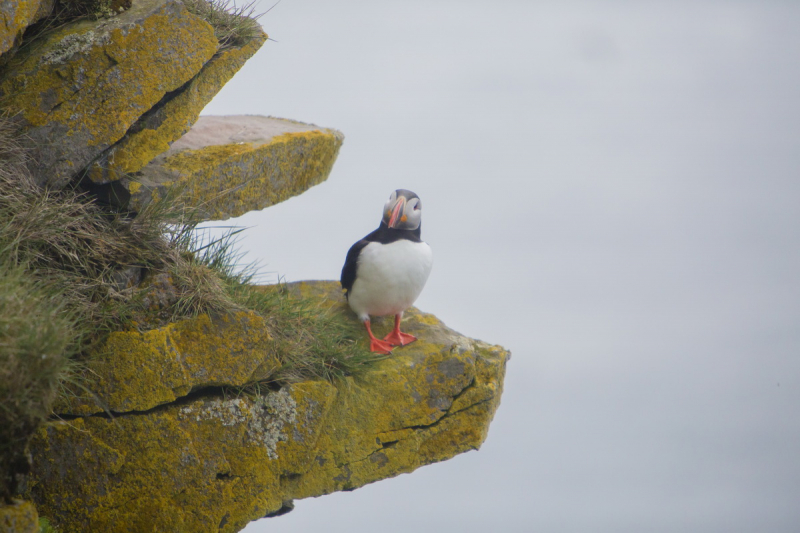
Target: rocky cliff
<point>181,452</point>
<point>192,417</point>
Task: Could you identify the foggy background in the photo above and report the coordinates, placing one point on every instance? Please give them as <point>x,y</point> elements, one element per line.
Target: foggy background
<point>611,191</point>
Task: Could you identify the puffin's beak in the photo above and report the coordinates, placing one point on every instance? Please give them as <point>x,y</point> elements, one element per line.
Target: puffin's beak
<point>397,211</point>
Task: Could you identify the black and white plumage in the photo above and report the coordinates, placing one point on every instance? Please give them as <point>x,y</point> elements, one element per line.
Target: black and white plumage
<point>385,271</point>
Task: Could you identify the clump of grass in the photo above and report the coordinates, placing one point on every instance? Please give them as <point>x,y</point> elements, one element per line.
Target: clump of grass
<point>311,342</point>
<point>233,25</point>
<point>64,237</point>
<point>12,155</point>
<point>35,335</point>
<point>94,9</point>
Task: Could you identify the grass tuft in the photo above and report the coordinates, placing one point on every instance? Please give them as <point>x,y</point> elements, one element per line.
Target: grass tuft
<point>35,334</point>
<point>233,25</point>
<point>59,258</point>
<point>311,342</point>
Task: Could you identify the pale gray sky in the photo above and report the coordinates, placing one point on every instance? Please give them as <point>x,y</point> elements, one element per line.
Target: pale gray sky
<point>612,191</point>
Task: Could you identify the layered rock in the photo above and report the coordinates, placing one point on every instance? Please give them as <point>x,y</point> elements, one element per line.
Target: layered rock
<point>212,460</point>
<point>78,89</point>
<point>136,371</point>
<point>227,166</point>
<point>179,428</point>
<point>172,117</point>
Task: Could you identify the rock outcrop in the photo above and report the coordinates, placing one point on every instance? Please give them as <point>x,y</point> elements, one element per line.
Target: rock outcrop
<point>172,117</point>
<point>227,166</point>
<point>197,458</point>
<point>182,426</point>
<point>81,87</point>
<point>137,371</point>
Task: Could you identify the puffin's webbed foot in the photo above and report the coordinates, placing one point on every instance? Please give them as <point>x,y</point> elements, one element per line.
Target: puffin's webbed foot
<point>397,337</point>
<point>376,345</point>
<point>379,346</point>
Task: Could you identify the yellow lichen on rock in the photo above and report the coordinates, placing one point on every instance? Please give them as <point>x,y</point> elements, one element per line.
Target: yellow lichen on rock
<point>214,462</point>
<point>18,517</point>
<point>78,89</point>
<point>156,130</point>
<point>230,179</point>
<point>16,15</point>
<point>136,371</point>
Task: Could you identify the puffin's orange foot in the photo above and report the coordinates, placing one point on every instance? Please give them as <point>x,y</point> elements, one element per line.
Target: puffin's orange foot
<point>398,338</point>
<point>378,346</point>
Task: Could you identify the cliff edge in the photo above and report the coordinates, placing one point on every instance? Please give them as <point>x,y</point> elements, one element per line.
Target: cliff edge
<point>219,457</point>
<point>145,385</point>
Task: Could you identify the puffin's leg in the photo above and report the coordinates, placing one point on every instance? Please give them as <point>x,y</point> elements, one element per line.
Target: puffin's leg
<point>397,337</point>
<point>376,345</point>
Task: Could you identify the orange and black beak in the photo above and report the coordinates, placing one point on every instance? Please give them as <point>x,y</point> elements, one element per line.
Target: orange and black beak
<point>397,212</point>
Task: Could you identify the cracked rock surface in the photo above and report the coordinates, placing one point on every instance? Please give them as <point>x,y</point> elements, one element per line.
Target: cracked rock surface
<point>208,461</point>
<point>78,90</point>
<point>170,118</point>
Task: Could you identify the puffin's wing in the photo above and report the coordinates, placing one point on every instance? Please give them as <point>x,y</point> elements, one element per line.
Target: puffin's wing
<point>350,264</point>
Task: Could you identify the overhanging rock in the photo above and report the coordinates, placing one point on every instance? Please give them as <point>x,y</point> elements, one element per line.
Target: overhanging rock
<point>226,166</point>
<point>214,462</point>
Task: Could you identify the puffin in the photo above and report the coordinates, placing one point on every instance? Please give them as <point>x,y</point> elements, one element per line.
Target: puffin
<point>385,271</point>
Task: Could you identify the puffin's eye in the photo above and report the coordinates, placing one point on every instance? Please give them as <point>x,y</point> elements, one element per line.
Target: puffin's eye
<point>417,205</point>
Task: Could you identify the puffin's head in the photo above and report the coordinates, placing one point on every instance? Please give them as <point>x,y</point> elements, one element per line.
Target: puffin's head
<point>403,210</point>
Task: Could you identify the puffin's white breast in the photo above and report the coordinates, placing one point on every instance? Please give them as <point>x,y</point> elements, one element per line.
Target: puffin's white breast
<point>389,277</point>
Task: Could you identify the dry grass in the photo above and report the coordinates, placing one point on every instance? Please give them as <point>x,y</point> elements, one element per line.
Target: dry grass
<point>233,25</point>
<point>58,254</point>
